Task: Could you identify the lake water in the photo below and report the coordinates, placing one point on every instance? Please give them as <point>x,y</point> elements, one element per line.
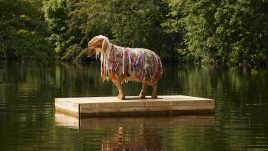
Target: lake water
<point>28,120</point>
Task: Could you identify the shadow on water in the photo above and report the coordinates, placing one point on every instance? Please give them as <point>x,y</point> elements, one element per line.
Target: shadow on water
<point>28,121</point>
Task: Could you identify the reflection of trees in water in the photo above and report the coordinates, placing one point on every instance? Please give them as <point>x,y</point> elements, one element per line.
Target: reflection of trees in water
<point>240,95</point>
<point>87,81</point>
<point>27,93</point>
<point>82,80</point>
<point>142,139</point>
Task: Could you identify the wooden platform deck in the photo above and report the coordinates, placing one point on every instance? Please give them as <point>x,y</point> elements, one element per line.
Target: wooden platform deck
<point>133,106</point>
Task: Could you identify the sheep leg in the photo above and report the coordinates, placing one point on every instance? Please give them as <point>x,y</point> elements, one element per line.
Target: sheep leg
<point>143,91</point>
<point>121,94</point>
<point>154,93</point>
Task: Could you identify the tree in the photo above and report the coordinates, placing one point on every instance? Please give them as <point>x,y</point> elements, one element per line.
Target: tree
<point>23,31</point>
<point>134,23</point>
<point>138,24</point>
<point>56,15</point>
<point>221,31</point>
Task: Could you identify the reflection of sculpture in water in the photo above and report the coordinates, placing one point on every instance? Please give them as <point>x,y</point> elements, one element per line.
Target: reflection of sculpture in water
<point>146,139</point>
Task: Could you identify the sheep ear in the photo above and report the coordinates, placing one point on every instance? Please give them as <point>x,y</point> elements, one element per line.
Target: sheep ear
<point>104,44</point>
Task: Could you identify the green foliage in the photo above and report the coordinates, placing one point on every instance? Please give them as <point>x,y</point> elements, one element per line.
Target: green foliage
<point>23,31</point>
<point>56,14</point>
<point>211,32</point>
<point>226,31</point>
<point>138,24</point>
<point>75,54</point>
<point>71,53</point>
<point>134,23</point>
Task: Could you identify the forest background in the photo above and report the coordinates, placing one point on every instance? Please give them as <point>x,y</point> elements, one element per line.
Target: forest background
<point>187,31</point>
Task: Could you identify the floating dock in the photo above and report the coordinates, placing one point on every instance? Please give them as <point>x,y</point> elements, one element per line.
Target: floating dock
<point>133,106</point>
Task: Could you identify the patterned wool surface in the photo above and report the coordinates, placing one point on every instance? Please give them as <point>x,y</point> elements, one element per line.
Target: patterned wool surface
<point>136,64</point>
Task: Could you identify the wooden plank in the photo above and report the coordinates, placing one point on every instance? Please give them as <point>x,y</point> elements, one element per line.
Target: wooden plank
<point>65,120</point>
<point>133,106</point>
<point>64,106</point>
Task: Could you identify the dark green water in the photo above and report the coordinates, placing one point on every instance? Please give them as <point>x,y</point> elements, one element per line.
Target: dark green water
<point>27,115</point>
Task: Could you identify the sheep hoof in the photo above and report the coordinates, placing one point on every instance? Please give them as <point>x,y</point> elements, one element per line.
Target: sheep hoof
<point>142,96</point>
<point>121,97</point>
